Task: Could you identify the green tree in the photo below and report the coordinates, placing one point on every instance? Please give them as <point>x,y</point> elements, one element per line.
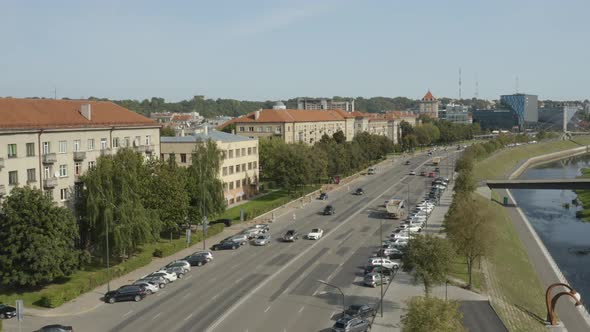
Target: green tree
<point>470,231</point>
<point>167,131</point>
<point>428,258</point>
<point>339,137</point>
<point>205,189</point>
<point>38,239</point>
<point>432,314</point>
<point>465,182</point>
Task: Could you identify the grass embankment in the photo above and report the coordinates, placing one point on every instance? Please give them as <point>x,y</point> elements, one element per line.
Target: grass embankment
<point>501,164</point>
<point>459,271</point>
<point>584,199</point>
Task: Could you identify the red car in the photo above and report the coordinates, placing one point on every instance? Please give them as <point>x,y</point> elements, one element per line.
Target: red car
<point>431,174</point>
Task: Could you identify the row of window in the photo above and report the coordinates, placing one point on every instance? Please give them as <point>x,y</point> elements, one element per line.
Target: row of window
<point>267,129</point>
<point>64,193</point>
<point>240,152</point>
<point>48,172</point>
<point>76,146</point>
<point>238,184</point>
<point>238,168</point>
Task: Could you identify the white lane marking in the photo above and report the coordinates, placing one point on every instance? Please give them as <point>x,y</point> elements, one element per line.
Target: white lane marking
<point>265,310</point>
<point>128,313</point>
<point>332,314</point>
<point>300,310</point>
<point>188,317</point>
<point>237,281</point>
<point>214,297</point>
<point>156,316</point>
<point>186,278</point>
<point>236,304</point>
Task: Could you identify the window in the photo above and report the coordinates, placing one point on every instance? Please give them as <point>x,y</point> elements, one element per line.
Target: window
<point>243,167</point>
<point>63,146</point>
<point>250,128</point>
<point>259,129</point>
<point>254,150</point>
<point>46,147</point>
<point>148,139</point>
<point>78,168</point>
<point>91,164</point>
<point>49,193</point>
<point>224,171</point>
<point>90,144</point>
<point>183,157</point>
<point>30,149</point>
<point>103,144</point>
<point>268,129</point>
<point>231,153</point>
<point>237,168</point>
<point>63,194</point>
<point>243,152</point>
<point>249,166</point>
<point>31,177</point>
<point>46,172</point>
<point>249,151</point>
<point>225,186</point>
<point>238,183</point>
<point>77,145</point>
<point>231,170</point>
<point>254,165</point>
<point>237,153</point>
<point>231,185</point>
<point>115,142</point>
<point>278,130</point>
<point>242,129</point>
<point>11,150</point>
<point>13,178</point>
<point>63,171</point>
<point>127,142</point>
<point>243,182</point>
<point>137,141</point>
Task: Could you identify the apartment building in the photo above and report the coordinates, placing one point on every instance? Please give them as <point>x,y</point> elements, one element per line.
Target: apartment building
<point>324,104</point>
<point>239,169</point>
<point>292,126</point>
<point>48,144</point>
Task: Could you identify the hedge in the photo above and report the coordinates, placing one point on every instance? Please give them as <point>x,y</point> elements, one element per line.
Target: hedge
<point>84,281</point>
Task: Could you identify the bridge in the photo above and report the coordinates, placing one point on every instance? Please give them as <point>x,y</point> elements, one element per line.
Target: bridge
<point>572,184</point>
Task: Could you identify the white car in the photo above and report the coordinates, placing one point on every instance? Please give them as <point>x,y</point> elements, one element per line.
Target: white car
<point>150,287</point>
<point>261,240</point>
<point>400,235</point>
<point>315,234</point>
<point>412,172</point>
<point>412,228</point>
<point>171,277</point>
<point>383,262</point>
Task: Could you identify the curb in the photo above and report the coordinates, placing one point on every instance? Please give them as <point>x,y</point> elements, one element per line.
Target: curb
<point>41,314</point>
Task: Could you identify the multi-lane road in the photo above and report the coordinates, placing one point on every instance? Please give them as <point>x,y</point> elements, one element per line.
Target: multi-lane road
<point>275,287</point>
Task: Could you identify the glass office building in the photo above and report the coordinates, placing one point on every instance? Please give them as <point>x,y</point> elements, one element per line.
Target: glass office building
<point>524,106</point>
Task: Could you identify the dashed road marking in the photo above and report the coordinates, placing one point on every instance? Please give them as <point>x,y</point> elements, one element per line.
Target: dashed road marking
<point>188,317</point>
<point>128,313</point>
<point>156,316</point>
<point>214,297</point>
<point>267,309</point>
<point>300,310</point>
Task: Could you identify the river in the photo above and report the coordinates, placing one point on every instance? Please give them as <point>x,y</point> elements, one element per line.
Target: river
<point>566,237</point>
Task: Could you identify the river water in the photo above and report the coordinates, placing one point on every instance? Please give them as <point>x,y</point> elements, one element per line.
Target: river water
<point>566,237</point>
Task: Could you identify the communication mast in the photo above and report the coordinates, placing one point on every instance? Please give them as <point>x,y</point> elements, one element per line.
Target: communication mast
<point>459,83</point>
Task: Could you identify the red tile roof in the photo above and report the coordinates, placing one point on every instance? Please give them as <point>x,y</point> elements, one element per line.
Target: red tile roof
<point>50,113</point>
<point>428,96</point>
<point>181,117</point>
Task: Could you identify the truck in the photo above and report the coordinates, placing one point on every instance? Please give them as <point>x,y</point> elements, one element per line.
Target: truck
<point>395,208</point>
<point>436,161</point>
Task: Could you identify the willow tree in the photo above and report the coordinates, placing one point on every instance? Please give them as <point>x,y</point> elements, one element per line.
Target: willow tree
<point>204,187</point>
<point>112,204</point>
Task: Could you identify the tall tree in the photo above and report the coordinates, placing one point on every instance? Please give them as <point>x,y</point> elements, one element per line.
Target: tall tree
<point>204,187</point>
<point>432,314</point>
<point>428,258</point>
<point>465,182</point>
<point>167,131</point>
<point>339,137</point>
<point>38,239</point>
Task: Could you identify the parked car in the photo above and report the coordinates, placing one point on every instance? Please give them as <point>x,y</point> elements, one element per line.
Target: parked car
<point>375,279</point>
<point>379,269</point>
<point>128,292</point>
<point>251,232</point>
<point>206,253</point>
<point>262,240</point>
<point>315,234</point>
<point>360,310</point>
<point>383,262</point>
<point>263,227</point>
<point>7,311</point>
<point>56,328</point>
<point>371,171</point>
<point>407,162</point>
<point>359,191</point>
<point>412,172</point>
<point>351,324</point>
<point>241,239</point>
<point>224,245</point>
<point>196,260</point>
<point>226,222</point>
<point>291,235</point>
<point>171,277</point>
<point>389,253</point>
<point>178,270</point>
<point>329,210</point>
<point>158,280</point>
<point>150,286</point>
<point>437,169</point>
<point>422,173</point>
<point>323,196</point>
<point>431,174</point>
<point>181,263</point>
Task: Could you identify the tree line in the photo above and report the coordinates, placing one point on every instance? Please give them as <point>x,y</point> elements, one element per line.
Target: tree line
<point>125,200</point>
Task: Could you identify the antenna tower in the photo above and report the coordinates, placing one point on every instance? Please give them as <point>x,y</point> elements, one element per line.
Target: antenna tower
<point>459,83</point>
<point>476,87</point>
<point>516,85</point>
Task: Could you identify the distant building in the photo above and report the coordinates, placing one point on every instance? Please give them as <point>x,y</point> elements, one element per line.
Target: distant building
<point>429,105</point>
<point>553,118</point>
<point>455,113</point>
<point>495,119</point>
<point>279,105</point>
<point>239,169</point>
<point>324,104</point>
<point>524,106</point>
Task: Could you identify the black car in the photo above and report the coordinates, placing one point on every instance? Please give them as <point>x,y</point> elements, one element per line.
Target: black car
<point>129,292</point>
<point>323,196</point>
<point>360,310</point>
<point>291,236</point>
<point>378,269</point>
<point>196,260</point>
<point>226,222</point>
<point>407,162</point>
<point>436,169</point>
<point>329,210</point>
<point>7,311</point>
<point>359,191</point>
<point>224,245</point>
<point>56,328</point>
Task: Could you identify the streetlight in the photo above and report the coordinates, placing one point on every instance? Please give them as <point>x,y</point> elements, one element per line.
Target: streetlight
<point>338,288</point>
<point>381,274</point>
<point>551,302</point>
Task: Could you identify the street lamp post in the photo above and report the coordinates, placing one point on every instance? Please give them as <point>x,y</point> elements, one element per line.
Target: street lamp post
<point>108,262</point>
<point>381,274</point>
<point>338,288</point>
<point>551,302</point>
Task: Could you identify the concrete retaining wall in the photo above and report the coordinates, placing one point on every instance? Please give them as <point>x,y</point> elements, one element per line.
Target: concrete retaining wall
<point>548,158</point>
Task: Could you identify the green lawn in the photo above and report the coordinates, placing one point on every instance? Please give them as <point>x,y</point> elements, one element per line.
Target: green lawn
<point>503,162</point>
<point>459,271</point>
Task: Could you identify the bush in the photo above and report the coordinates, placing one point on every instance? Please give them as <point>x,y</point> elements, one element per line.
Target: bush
<point>158,253</point>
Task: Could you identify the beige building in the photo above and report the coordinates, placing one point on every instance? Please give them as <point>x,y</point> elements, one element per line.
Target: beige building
<point>429,105</point>
<point>239,169</point>
<point>48,144</point>
<point>292,126</point>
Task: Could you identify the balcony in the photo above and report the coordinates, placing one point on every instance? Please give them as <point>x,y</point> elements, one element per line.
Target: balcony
<point>1,163</point>
<point>2,190</point>
<point>50,183</point>
<point>79,155</point>
<point>49,158</point>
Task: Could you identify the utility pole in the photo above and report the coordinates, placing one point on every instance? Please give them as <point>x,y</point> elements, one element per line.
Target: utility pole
<point>380,245</point>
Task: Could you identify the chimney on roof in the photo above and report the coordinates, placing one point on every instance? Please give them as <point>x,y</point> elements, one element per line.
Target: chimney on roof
<point>256,115</point>
<point>86,111</point>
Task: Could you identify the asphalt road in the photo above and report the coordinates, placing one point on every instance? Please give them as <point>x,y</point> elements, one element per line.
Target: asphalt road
<point>480,316</point>
<point>275,287</point>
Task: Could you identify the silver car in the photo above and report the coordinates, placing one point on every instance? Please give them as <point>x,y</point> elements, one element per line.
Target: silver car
<point>262,240</point>
<point>239,238</point>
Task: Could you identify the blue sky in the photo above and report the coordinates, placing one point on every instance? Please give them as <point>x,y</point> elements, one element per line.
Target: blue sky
<point>268,50</point>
